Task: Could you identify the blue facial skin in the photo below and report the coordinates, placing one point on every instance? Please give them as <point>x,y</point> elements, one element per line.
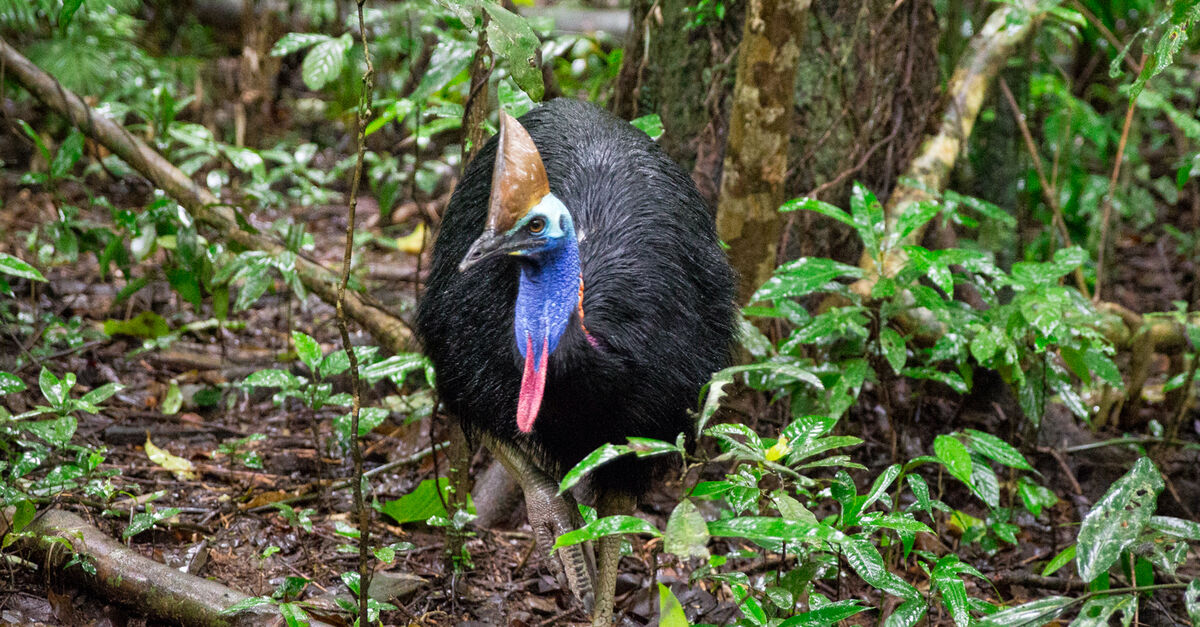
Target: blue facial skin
<point>548,292</point>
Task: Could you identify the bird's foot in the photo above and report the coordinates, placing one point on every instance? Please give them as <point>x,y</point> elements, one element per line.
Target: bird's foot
<point>552,515</point>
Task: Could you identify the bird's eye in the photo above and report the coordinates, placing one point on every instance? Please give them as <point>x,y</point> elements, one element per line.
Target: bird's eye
<point>537,225</point>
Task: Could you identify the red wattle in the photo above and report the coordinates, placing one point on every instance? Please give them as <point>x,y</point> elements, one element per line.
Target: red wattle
<point>533,384</point>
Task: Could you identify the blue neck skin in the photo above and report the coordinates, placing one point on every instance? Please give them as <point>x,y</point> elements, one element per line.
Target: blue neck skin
<point>548,293</point>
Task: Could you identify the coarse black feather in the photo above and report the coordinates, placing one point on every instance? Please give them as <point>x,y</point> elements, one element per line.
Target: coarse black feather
<point>658,298</point>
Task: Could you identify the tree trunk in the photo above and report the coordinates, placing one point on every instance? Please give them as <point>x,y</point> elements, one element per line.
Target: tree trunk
<point>760,126</point>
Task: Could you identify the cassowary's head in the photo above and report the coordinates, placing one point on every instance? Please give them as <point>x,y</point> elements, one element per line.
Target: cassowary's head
<point>524,218</point>
<point>528,222</point>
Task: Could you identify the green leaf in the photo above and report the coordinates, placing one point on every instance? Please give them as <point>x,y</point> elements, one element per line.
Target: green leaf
<point>817,206</point>
<point>102,393</point>
<point>512,99</point>
<point>802,277</point>
<point>670,610</point>
<point>950,379</point>
<point>420,504</point>
<point>649,124</point>
<point>325,61</point>
<point>10,383</point>
<point>607,526</point>
<point>246,604</point>
<point>915,215</point>
<point>22,516</point>
<point>954,456</point>
<point>272,378</point>
<point>1098,611</point>
<point>867,215</point>
<point>37,139</point>
<point>908,614</point>
<point>996,449</point>
<point>1178,527</point>
<point>55,390</point>
<point>145,520</point>
<point>68,155</point>
<point>1032,614</point>
<point>1062,559</point>
<point>828,614</point>
<point>146,325</point>
<point>16,267</point>
<point>865,559</point>
<point>185,283</point>
<point>292,42</point>
<point>307,349</point>
<point>66,13</point>
<point>368,419</point>
<point>594,460</point>
<point>515,44</point>
<point>687,533</point>
<point>954,596</point>
<point>1191,599</point>
<point>294,615</point>
<point>1034,496</point>
<point>1117,520</point>
<point>397,368</point>
<point>765,528</point>
<point>894,349</point>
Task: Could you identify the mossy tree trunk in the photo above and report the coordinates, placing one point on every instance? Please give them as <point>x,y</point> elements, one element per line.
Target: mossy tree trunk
<point>760,128</point>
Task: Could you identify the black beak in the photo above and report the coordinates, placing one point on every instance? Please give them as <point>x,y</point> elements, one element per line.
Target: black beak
<point>492,244</point>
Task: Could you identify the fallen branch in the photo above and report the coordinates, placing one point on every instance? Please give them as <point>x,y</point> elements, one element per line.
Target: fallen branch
<point>125,575</point>
<point>385,327</point>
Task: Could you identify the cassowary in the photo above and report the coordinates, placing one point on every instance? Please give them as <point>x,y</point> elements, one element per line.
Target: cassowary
<point>578,295</point>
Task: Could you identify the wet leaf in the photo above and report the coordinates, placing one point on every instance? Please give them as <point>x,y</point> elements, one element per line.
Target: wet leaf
<point>1117,520</point>
<point>687,533</point>
<point>180,467</point>
<point>14,266</point>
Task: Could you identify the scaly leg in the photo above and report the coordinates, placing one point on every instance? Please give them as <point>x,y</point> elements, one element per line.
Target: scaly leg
<point>610,503</point>
<point>552,515</point>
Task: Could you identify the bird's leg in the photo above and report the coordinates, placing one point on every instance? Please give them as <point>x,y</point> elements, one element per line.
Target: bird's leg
<point>551,515</point>
<point>609,503</point>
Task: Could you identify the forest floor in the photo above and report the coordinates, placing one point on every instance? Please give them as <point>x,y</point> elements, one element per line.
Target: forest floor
<point>226,521</point>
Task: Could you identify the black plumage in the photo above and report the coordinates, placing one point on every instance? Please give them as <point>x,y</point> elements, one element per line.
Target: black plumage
<point>658,299</point>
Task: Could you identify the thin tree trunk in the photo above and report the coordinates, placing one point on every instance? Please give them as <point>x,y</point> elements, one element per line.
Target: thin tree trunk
<point>760,125</point>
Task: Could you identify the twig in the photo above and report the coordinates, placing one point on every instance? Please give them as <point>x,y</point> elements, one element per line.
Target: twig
<point>1112,188</point>
<point>360,508</point>
<point>1048,191</point>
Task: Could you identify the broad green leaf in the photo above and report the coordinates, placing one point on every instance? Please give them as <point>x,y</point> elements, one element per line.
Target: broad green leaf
<point>829,614</point>
<point>102,393</point>
<point>325,61</point>
<point>823,208</point>
<point>68,155</point>
<point>66,13</point>
<point>865,559</point>
<point>996,449</point>
<point>670,610</point>
<point>802,277</point>
<point>368,419</point>
<point>951,379</point>
<point>16,267</point>
<point>594,460</point>
<point>449,60</point>
<point>172,400</point>
<point>1178,527</point>
<point>246,604</point>
<point>1032,614</point>
<point>867,216</point>
<point>649,124</point>
<point>397,367</point>
<point>272,378</point>
<point>37,139</point>
<point>55,390</point>
<point>515,43</point>
<point>57,431</point>
<point>908,614</point>
<point>954,596</point>
<point>292,42</point>
<point>294,614</point>
<point>880,486</point>
<point>145,520</point>
<point>10,383</point>
<point>146,325</point>
<point>1102,366</point>
<point>1099,611</point>
<point>307,349</point>
<point>1117,520</point>
<point>1191,599</point>
<point>894,349</point>
<point>767,528</point>
<point>900,523</point>
<point>22,515</point>
<point>420,504</point>
<point>687,533</point>
<point>512,99</point>
<point>1034,496</point>
<point>954,456</point>
<point>915,215</point>
<point>607,526</point>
